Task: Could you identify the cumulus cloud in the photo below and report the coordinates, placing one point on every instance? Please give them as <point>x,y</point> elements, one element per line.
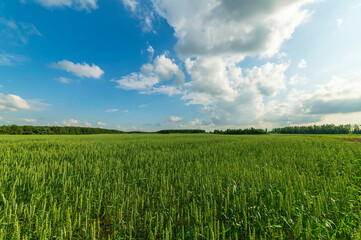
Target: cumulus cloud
<point>161,69</point>
<point>87,124</point>
<point>79,69</point>
<point>17,31</point>
<point>235,95</point>
<point>13,103</point>
<point>70,122</point>
<point>101,124</point>
<point>175,119</point>
<point>196,123</point>
<point>297,79</point>
<point>338,96</point>
<point>302,64</point>
<point>237,28</point>
<point>214,37</point>
<point>86,5</point>
<point>150,49</point>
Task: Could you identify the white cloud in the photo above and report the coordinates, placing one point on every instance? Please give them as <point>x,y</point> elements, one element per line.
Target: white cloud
<point>143,11</point>
<point>28,120</point>
<point>162,69</point>
<point>340,96</point>
<point>13,103</point>
<point>70,122</point>
<point>237,28</point>
<point>175,119</point>
<point>302,64</point>
<point>236,95</point>
<point>64,80</point>
<point>339,22</point>
<point>101,124</point>
<point>136,81</point>
<point>297,79</point>
<point>150,49</point>
<point>214,37</point>
<point>167,90</point>
<point>87,124</point>
<point>17,31</point>
<point>79,69</point>
<point>132,4</point>
<point>125,111</point>
<point>86,5</point>
<point>111,110</point>
<point>10,59</point>
<point>196,123</point>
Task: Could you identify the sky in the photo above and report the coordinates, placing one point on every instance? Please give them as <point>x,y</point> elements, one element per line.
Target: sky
<point>159,64</point>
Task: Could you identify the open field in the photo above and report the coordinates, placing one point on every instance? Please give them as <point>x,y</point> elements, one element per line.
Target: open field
<point>179,187</point>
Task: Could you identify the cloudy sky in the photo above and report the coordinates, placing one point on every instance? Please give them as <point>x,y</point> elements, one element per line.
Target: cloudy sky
<point>156,64</point>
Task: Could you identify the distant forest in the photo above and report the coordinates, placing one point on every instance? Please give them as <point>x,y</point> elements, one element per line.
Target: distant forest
<point>56,130</point>
<point>45,130</point>
<point>168,131</point>
<point>247,131</point>
<point>320,129</point>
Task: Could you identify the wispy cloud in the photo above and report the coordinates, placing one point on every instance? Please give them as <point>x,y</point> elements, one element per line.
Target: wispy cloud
<point>111,110</point>
<point>10,59</point>
<point>86,5</point>
<point>17,32</point>
<point>64,80</point>
<point>143,11</point>
<point>28,120</point>
<point>79,69</point>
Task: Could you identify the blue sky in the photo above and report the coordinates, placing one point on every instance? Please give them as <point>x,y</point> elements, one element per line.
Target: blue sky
<point>156,64</point>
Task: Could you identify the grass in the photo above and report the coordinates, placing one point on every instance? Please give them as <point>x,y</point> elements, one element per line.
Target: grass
<point>179,187</point>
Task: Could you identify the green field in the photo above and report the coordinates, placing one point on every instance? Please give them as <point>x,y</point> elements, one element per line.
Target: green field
<point>151,186</point>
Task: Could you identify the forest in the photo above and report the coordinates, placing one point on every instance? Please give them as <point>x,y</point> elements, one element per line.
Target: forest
<point>320,129</point>
<point>247,131</point>
<point>54,130</point>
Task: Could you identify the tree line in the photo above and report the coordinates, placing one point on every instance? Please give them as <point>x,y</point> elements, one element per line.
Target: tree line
<point>247,131</point>
<point>58,130</point>
<point>55,130</point>
<point>320,129</point>
<point>168,131</point>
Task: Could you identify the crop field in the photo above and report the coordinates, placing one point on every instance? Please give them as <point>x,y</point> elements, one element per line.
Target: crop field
<point>151,186</point>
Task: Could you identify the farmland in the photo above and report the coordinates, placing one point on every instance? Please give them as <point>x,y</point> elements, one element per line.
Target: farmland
<point>152,186</point>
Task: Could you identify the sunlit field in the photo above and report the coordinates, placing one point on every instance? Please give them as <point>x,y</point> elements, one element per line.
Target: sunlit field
<point>205,186</point>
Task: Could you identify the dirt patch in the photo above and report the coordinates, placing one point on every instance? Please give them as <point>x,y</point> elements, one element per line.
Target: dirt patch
<point>351,139</point>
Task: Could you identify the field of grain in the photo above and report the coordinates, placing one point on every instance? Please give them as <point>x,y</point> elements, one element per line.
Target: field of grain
<point>179,187</point>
